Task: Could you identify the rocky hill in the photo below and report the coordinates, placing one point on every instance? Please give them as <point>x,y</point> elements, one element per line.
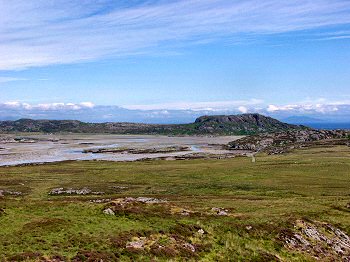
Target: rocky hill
<point>211,125</point>
<point>246,123</point>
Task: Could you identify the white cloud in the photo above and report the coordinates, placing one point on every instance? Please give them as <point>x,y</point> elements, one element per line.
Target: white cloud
<point>319,106</point>
<point>272,108</point>
<point>12,104</point>
<point>46,106</point>
<point>198,106</point>
<point>38,33</point>
<point>87,104</point>
<point>243,109</point>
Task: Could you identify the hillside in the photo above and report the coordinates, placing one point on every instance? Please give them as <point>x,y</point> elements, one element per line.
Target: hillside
<point>216,125</point>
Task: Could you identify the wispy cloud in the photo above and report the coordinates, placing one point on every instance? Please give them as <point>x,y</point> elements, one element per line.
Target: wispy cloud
<point>334,35</point>
<point>38,33</point>
<point>5,79</point>
<point>338,37</point>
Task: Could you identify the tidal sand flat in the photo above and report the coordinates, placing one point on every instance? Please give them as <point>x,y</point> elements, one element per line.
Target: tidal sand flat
<point>41,148</point>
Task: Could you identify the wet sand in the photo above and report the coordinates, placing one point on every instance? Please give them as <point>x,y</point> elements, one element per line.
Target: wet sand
<point>53,148</point>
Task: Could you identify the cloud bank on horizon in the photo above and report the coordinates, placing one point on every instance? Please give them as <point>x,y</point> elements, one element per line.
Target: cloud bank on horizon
<point>320,110</point>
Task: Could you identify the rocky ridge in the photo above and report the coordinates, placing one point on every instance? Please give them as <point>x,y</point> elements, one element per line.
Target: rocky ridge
<point>205,125</point>
<point>280,142</point>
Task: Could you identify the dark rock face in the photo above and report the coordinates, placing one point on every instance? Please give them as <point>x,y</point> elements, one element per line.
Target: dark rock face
<point>213,125</point>
<point>281,142</point>
<point>247,123</point>
<point>244,119</point>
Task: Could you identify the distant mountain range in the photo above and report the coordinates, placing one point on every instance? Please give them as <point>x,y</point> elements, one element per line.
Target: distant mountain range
<point>217,125</point>
<point>301,120</point>
<point>316,123</point>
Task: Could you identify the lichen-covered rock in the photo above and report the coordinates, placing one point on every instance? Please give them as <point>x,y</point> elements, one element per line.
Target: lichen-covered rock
<point>220,211</point>
<point>190,247</point>
<point>167,244</point>
<point>201,231</point>
<point>150,200</point>
<point>145,200</point>
<point>139,243</point>
<point>4,192</point>
<point>108,211</point>
<point>103,200</point>
<point>71,191</point>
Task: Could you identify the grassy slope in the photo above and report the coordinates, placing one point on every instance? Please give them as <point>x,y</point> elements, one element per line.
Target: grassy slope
<point>268,195</point>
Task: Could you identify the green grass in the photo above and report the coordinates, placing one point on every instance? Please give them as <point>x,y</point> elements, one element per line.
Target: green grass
<point>268,195</point>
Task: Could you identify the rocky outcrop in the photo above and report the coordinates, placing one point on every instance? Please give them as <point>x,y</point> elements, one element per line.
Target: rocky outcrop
<point>153,150</point>
<point>4,192</point>
<point>320,240</point>
<point>191,156</point>
<point>220,211</point>
<point>280,142</point>
<point>183,242</point>
<point>71,191</point>
<point>158,207</point>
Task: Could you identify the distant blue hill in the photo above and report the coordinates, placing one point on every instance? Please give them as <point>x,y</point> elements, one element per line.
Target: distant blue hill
<point>316,123</point>
<point>301,120</point>
<point>329,126</point>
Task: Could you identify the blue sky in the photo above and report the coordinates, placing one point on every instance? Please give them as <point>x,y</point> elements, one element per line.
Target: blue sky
<point>170,61</point>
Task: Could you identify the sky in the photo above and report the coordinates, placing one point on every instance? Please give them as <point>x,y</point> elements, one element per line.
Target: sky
<point>167,61</point>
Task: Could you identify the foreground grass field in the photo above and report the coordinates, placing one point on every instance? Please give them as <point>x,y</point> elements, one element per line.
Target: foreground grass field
<point>262,206</point>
